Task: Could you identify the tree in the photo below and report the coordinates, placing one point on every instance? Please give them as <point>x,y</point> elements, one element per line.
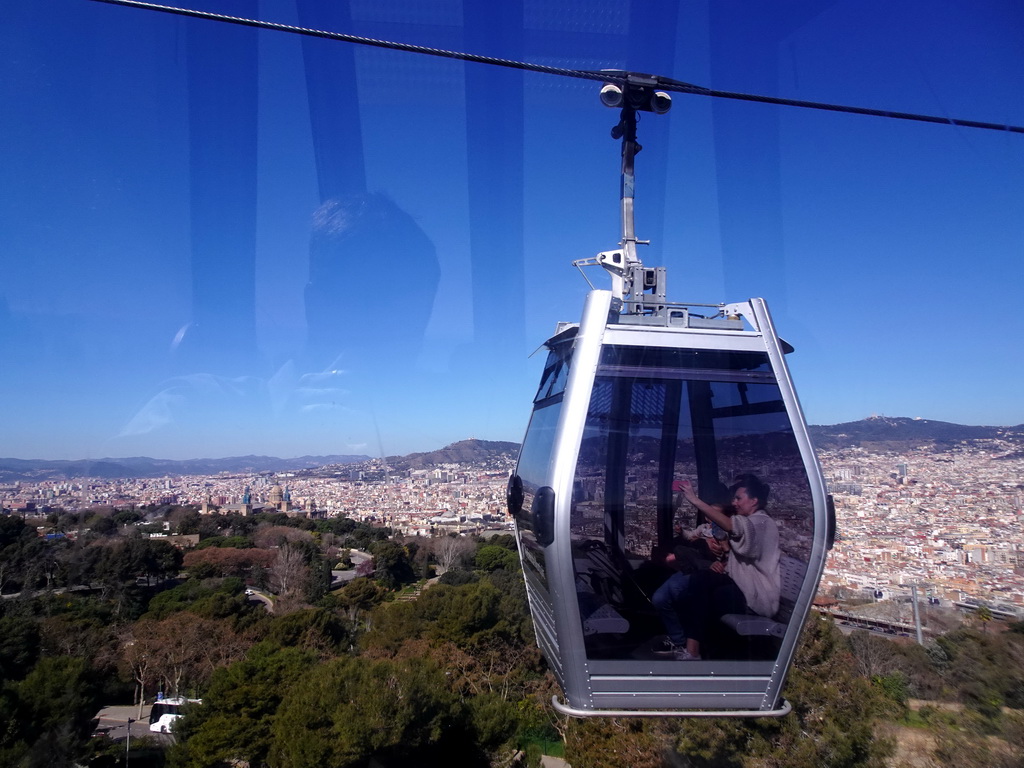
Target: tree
<point>19,548</point>
<point>364,536</point>
<point>47,566</point>
<point>348,711</point>
<point>967,740</point>
<point>339,526</point>
<point>102,525</point>
<point>195,647</point>
<point>120,562</point>
<point>450,551</point>
<point>138,645</point>
<point>289,574</point>
<point>75,634</point>
<point>314,629</point>
<point>984,615</point>
<point>127,516</point>
<point>832,722</point>
<point>319,581</point>
<point>227,561</point>
<point>194,595</point>
<point>235,542</point>
<point>986,670</point>
<point>182,650</point>
<point>13,530</point>
<point>154,558</point>
<point>47,716</point>
<point>491,558</point>
<point>19,647</point>
<point>358,597</point>
<point>186,521</point>
<point>268,536</point>
<point>235,723</point>
<point>391,564</point>
<point>474,616</point>
<point>873,655</point>
<point>610,743</point>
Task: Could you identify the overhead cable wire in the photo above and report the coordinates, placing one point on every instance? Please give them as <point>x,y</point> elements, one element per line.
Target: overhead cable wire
<point>609,76</point>
<point>260,24</point>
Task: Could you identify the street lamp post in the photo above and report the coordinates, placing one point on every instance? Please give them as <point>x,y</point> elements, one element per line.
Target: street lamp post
<point>128,741</point>
<point>917,614</point>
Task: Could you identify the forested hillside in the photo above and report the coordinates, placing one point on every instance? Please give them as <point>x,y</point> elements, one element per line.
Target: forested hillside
<point>392,669</point>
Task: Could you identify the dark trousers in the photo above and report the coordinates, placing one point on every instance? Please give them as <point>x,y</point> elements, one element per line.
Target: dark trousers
<point>709,596</point>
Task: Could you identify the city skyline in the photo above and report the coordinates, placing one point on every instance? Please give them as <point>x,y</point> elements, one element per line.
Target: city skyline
<point>324,249</point>
<point>824,437</point>
<point>947,520</point>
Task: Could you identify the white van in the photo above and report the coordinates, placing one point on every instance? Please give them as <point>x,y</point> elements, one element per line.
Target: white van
<point>165,713</point>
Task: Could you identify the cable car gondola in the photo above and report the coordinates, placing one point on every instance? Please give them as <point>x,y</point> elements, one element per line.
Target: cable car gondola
<point>636,398</point>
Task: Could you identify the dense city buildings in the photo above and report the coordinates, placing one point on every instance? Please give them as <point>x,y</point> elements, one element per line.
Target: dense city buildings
<point>448,497</point>
<point>949,521</point>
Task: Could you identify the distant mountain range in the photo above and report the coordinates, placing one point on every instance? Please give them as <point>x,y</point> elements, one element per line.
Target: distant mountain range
<point>463,452</point>
<point>876,433</point>
<point>900,434</point>
<point>35,470</point>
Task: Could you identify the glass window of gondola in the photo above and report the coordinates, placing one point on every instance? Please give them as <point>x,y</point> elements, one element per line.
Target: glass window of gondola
<point>658,416</point>
<point>531,500</point>
<point>556,368</point>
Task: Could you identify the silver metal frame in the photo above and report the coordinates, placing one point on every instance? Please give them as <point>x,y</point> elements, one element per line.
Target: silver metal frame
<point>782,711</point>
<point>620,688</point>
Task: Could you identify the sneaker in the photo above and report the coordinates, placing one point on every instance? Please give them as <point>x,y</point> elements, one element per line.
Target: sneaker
<point>667,648</point>
<point>681,654</point>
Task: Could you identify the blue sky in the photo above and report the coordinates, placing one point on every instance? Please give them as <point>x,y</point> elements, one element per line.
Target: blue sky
<point>174,283</point>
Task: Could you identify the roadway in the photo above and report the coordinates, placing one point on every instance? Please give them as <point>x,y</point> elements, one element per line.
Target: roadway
<point>113,721</point>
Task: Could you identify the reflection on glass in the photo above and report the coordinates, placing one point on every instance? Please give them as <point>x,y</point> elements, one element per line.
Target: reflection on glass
<point>659,417</point>
<point>532,477</point>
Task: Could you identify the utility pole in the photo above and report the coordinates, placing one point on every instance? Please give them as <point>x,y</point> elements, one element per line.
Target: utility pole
<point>917,614</point>
<point>128,741</point>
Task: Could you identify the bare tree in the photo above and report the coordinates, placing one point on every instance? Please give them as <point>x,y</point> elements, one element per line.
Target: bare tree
<point>449,551</point>
<point>138,653</point>
<point>289,574</point>
<point>873,655</point>
<point>188,648</point>
<point>267,536</point>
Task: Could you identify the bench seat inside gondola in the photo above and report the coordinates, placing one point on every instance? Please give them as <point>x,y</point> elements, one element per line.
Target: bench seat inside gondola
<point>614,604</point>
<point>792,572</point>
<point>599,591</point>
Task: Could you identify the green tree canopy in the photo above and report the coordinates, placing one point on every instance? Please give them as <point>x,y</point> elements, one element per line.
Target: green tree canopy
<point>832,723</point>
<point>314,629</point>
<point>359,596</point>
<point>396,711</point>
<point>235,542</point>
<point>984,669</point>
<point>13,530</point>
<point>47,717</point>
<point>102,525</point>
<point>19,647</point>
<point>492,557</point>
<point>392,567</point>
<point>236,720</point>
